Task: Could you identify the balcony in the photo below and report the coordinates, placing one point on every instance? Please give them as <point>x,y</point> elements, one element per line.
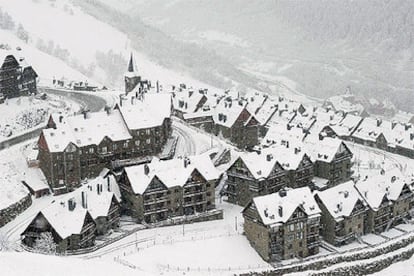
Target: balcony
<point>194,183</point>
<point>153,200</point>
<point>344,238</point>
<point>194,202</point>
<point>155,210</point>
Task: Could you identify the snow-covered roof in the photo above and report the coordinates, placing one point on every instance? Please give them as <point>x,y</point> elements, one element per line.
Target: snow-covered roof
<point>324,150</point>
<point>255,101</point>
<point>187,101</point>
<point>228,111</point>
<point>172,172</point>
<point>370,129</point>
<point>282,134</point>
<point>347,125</point>
<point>276,208</point>
<point>389,185</point>
<point>83,130</point>
<point>150,111</point>
<point>340,200</point>
<point>67,222</point>
<point>345,103</point>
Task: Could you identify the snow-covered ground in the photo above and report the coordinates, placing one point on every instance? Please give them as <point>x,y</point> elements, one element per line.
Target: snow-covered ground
<point>88,38</point>
<point>18,115</point>
<point>34,264</point>
<point>45,65</point>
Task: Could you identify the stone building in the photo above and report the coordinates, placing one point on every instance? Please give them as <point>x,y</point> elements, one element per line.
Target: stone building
<point>253,175</point>
<point>165,189</point>
<point>332,160</point>
<point>72,227</point>
<point>234,122</point>
<point>267,171</point>
<point>78,147</point>
<point>389,198</point>
<point>283,225</point>
<point>17,77</point>
<point>344,213</point>
<point>75,219</point>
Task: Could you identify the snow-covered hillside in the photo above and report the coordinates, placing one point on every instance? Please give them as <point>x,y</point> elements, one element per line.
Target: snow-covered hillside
<point>79,41</point>
<point>45,65</point>
<point>323,46</point>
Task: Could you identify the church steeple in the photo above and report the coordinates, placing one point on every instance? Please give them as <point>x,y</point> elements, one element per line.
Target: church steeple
<point>131,64</point>
<point>132,78</point>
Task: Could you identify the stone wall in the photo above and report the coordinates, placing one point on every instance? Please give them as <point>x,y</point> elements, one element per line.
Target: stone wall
<point>9,213</point>
<point>360,255</point>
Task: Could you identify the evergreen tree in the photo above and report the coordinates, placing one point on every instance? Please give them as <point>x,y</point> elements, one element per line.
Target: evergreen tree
<point>45,244</point>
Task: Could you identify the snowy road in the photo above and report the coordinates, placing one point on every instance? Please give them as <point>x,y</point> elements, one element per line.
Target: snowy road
<point>91,102</point>
<point>185,145</point>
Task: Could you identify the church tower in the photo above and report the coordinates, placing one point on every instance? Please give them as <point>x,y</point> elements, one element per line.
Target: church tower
<point>132,79</point>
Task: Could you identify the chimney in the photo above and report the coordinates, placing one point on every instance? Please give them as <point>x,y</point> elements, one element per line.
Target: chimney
<point>132,100</point>
<point>280,211</point>
<point>146,169</point>
<point>186,162</point>
<point>60,118</point>
<point>282,192</point>
<point>108,181</point>
<point>71,204</point>
<point>190,93</point>
<point>84,200</point>
<point>289,127</point>
<point>297,150</point>
<point>120,101</point>
<point>411,136</point>
<point>346,194</point>
<point>379,122</point>
<point>98,189</point>
<point>269,157</point>
<point>407,127</point>
<point>266,212</point>
<point>393,178</point>
<point>393,124</point>
<point>321,137</point>
<point>158,87</point>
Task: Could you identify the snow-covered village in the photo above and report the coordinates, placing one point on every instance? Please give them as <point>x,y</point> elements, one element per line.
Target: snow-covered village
<point>206,137</point>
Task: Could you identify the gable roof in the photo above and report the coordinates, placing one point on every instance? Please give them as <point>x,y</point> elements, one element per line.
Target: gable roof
<point>83,130</point>
<point>375,188</point>
<point>268,206</point>
<point>146,113</point>
<point>340,200</point>
<point>171,173</point>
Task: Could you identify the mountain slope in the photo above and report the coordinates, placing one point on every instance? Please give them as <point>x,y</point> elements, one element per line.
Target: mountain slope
<point>321,45</point>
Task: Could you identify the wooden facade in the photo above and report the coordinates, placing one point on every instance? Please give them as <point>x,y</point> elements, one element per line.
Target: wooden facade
<point>15,79</point>
<point>161,201</point>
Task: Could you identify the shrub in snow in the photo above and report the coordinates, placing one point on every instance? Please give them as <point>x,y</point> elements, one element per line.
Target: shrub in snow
<point>45,244</point>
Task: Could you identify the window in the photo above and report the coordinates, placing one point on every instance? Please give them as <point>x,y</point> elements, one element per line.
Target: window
<point>114,146</point>
<point>291,227</point>
<point>149,141</point>
<point>91,150</point>
<point>148,131</point>
<point>125,144</point>
<point>70,156</point>
<point>137,142</point>
<point>104,149</point>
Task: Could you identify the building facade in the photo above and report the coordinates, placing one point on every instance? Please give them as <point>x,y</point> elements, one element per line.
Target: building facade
<point>154,193</point>
<point>16,77</point>
<point>283,225</point>
<point>75,148</point>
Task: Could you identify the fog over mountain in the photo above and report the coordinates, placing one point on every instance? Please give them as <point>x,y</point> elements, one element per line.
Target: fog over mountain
<point>315,47</point>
